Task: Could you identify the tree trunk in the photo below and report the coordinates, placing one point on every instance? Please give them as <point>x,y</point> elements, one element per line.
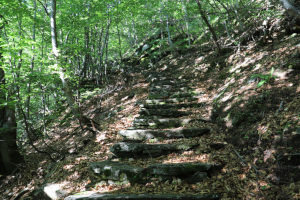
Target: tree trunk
<point>169,33</point>
<point>65,84</point>
<point>9,154</point>
<point>214,35</point>
<point>186,18</point>
<point>32,62</point>
<point>120,43</point>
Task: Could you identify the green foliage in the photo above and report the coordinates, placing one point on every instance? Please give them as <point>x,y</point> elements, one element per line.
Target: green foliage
<point>32,78</point>
<point>264,78</point>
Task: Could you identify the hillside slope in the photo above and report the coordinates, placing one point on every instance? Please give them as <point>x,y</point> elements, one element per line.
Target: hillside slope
<point>248,99</point>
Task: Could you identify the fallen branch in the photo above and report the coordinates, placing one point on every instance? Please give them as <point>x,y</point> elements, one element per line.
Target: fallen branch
<point>244,163</point>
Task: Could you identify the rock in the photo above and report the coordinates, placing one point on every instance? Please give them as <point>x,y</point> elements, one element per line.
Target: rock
<point>290,159</point>
<point>54,191</point>
<point>170,134</point>
<point>161,123</point>
<point>95,196</point>
<point>166,95</point>
<point>294,141</point>
<point>197,177</point>
<point>145,47</point>
<point>173,100</point>
<point>287,173</point>
<point>218,145</point>
<point>108,170</point>
<point>181,170</point>
<point>50,191</point>
<point>129,150</point>
<point>170,88</point>
<point>168,81</point>
<point>176,106</point>
<point>163,112</point>
<point>164,122</point>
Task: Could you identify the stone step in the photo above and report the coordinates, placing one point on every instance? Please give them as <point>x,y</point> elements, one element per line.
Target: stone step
<point>170,88</point>
<point>168,134</point>
<point>115,171</point>
<point>98,196</point>
<point>175,106</point>
<point>168,95</point>
<point>173,100</point>
<point>163,112</point>
<point>182,170</point>
<point>159,75</point>
<point>138,150</point>
<point>123,173</point>
<point>177,89</point>
<point>161,123</point>
<point>168,81</point>
<point>165,78</point>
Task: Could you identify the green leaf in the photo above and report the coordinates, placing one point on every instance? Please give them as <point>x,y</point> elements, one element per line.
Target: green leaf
<point>261,83</point>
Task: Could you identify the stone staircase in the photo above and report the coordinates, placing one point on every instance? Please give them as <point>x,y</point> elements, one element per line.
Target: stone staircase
<point>161,118</point>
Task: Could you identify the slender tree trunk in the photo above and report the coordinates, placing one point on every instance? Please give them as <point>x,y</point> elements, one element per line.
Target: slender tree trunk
<point>134,31</point>
<point>186,21</point>
<point>169,33</point>
<point>214,35</point>
<point>106,49</point>
<point>32,62</point>
<point>86,59</point>
<point>120,43</point>
<point>98,76</point>
<point>104,44</point>
<point>66,86</point>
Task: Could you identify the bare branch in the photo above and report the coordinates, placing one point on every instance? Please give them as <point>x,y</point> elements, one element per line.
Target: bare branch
<point>45,8</point>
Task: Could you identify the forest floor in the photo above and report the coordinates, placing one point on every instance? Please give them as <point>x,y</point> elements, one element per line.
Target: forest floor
<point>252,97</point>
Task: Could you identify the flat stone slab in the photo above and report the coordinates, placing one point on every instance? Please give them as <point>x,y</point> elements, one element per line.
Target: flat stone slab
<point>175,106</point>
<point>172,100</point>
<point>161,123</point>
<point>121,173</point>
<point>171,88</point>
<point>169,134</point>
<point>163,112</point>
<point>140,123</point>
<point>182,170</point>
<point>166,80</point>
<point>167,95</point>
<point>96,196</point>
<point>136,150</point>
<point>166,87</point>
<point>108,170</point>
<point>169,82</point>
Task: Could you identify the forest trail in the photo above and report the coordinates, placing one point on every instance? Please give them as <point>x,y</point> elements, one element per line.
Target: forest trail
<point>165,126</point>
<point>149,100</point>
<point>188,124</point>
